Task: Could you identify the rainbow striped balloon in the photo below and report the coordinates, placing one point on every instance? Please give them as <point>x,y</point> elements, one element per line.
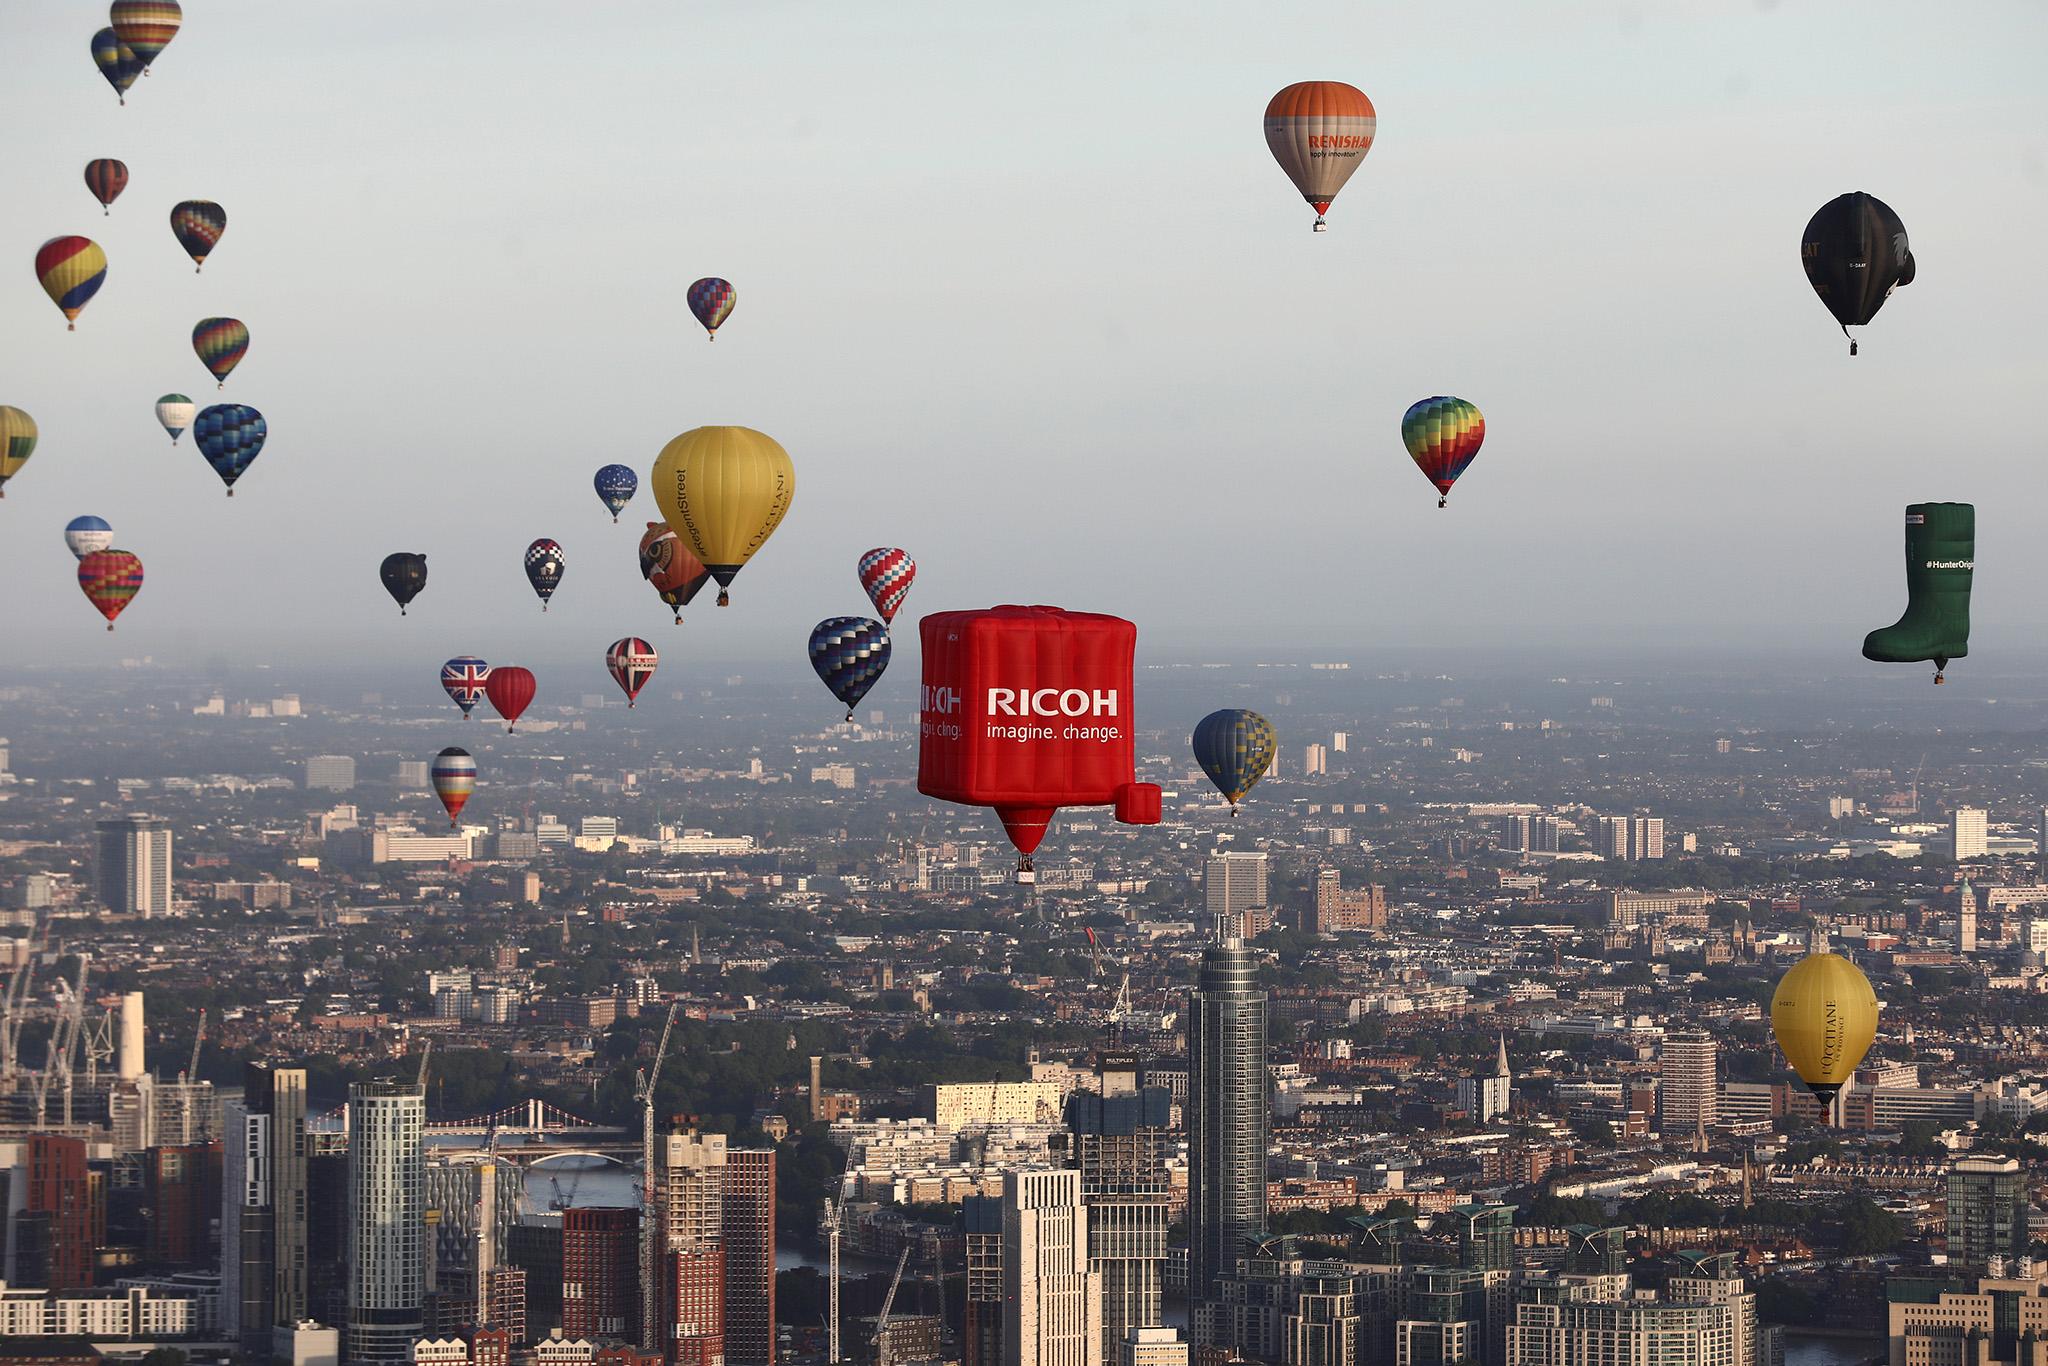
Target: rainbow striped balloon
<point>1442,434</point>
<point>198,224</point>
<point>454,775</point>
<point>72,270</point>
<point>146,26</point>
<point>220,344</point>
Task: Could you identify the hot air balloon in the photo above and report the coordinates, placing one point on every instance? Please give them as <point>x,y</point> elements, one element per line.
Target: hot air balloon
<point>17,443</point>
<point>176,412</point>
<point>1235,748</point>
<point>220,344</point>
<point>111,579</point>
<point>849,654</point>
<point>106,178</point>
<point>404,574</point>
<point>1855,253</point>
<point>463,679</point>
<point>116,62</point>
<point>1941,560</point>
<point>454,774</point>
<point>72,270</point>
<point>1443,435</point>
<point>510,689</point>
<point>724,490</point>
<point>1825,1016</point>
<point>146,27</point>
<point>1028,709</point>
<point>230,436</point>
<point>711,299</point>
<point>544,567</point>
<point>616,485</point>
<point>667,564</point>
<point>632,662</point>
<point>198,224</point>
<point>1319,132</point>
<point>886,574</point>
<point>85,535</point>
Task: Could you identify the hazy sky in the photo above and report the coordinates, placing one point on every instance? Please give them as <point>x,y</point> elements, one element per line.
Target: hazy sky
<point>1021,290</point>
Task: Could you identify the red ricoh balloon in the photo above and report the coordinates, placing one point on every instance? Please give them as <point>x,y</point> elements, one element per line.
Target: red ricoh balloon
<point>1028,709</point>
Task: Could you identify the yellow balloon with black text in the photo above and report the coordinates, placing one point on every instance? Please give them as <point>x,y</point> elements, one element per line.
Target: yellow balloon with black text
<point>724,490</point>
<point>1825,1017</point>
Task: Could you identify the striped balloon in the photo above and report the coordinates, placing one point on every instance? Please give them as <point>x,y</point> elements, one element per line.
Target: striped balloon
<point>176,412</point>
<point>849,654</point>
<point>711,299</point>
<point>887,573</point>
<point>1443,435</point>
<point>146,26</point>
<point>72,270</point>
<point>17,443</point>
<point>220,344</point>
<point>198,224</point>
<point>632,662</point>
<point>1319,132</point>
<point>116,62</point>
<point>110,580</point>
<point>454,775</point>
<point>106,178</point>
<point>230,436</point>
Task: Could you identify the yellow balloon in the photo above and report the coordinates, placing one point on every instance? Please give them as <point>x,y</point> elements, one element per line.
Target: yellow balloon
<point>724,490</point>
<point>17,443</point>
<point>1825,1016</point>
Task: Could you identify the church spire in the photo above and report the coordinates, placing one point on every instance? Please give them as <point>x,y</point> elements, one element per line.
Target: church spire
<point>1501,1069</point>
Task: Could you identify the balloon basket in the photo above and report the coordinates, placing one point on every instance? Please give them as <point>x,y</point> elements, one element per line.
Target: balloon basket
<point>70,327</point>
<point>724,598</point>
<point>110,626</point>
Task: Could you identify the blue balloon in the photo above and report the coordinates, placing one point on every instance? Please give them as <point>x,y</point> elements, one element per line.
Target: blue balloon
<point>616,485</point>
<point>230,436</point>
<point>84,535</point>
<point>849,654</point>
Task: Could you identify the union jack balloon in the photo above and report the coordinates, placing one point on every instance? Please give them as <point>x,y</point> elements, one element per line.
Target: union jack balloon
<point>464,678</point>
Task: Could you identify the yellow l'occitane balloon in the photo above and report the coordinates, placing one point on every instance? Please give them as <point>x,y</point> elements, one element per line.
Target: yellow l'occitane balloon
<point>1825,1016</point>
<point>724,490</point>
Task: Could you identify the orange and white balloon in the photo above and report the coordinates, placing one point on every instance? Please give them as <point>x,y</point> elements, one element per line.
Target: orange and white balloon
<point>1319,132</point>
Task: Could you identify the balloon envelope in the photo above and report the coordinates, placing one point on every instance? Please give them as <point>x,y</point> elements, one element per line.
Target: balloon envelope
<point>1856,253</point>
<point>724,490</point>
<point>1319,132</point>
<point>463,679</point>
<point>510,689</point>
<point>146,27</point>
<point>1235,748</point>
<point>849,654</point>
<point>220,344</point>
<point>84,535</point>
<point>454,775</point>
<point>544,565</point>
<point>1443,435</point>
<point>116,62</point>
<point>198,224</point>
<point>711,300</point>
<point>615,485</point>
<point>631,662</point>
<point>110,580</point>
<point>71,269</point>
<point>668,564</point>
<point>18,438</point>
<point>404,574</point>
<point>1825,1017</point>
<point>106,178</point>
<point>230,436</point>
<point>886,574</point>
<point>175,412</point>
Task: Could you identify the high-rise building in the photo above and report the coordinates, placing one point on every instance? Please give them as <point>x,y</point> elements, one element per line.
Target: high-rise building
<point>264,1215</point>
<point>1686,1087</point>
<point>330,773</point>
<point>1315,761</point>
<point>54,1242</point>
<point>1987,1213</point>
<point>1341,742</point>
<point>386,1221</point>
<point>2040,843</point>
<point>748,1224</point>
<point>1628,838</point>
<point>1968,834</point>
<point>1486,1237</point>
<point>600,1271</point>
<point>1121,1142</point>
<point>1966,918</point>
<point>181,1191</point>
<point>1052,1303</point>
<point>1483,1097</point>
<point>693,1175</point>
<point>132,874</point>
<point>1338,910</point>
<point>1228,1118</point>
<point>1591,1321</point>
<point>1528,834</point>
<point>412,774</point>
<point>1234,882</point>
<point>981,1335</point>
<point>1152,1347</point>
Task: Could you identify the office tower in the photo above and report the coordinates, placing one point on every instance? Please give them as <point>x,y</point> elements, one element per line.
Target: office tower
<point>981,1335</point>
<point>1121,1144</point>
<point>600,1271</point>
<point>181,1192</point>
<point>53,1238</point>
<point>1966,918</point>
<point>1987,1213</point>
<point>330,773</point>
<point>1968,835</point>
<point>1227,1118</point>
<point>1685,1085</point>
<point>1052,1303</point>
<point>132,874</point>
<point>1484,1097</point>
<point>1315,763</point>
<point>386,1220</point>
<point>1233,883</point>
<point>692,1320</point>
<point>748,1225</point>
<point>1486,1237</point>
<point>1529,834</point>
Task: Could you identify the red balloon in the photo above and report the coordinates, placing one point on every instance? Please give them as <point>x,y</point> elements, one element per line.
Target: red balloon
<point>510,689</point>
<point>1028,709</point>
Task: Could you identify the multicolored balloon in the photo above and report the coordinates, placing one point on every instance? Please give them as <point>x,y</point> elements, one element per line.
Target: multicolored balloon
<point>1235,748</point>
<point>887,574</point>
<point>454,774</point>
<point>116,62</point>
<point>110,579</point>
<point>463,679</point>
<point>724,490</point>
<point>106,178</point>
<point>711,299</point>
<point>849,654</point>
<point>1319,132</point>
<point>146,27</point>
<point>230,436</point>
<point>175,412</point>
<point>86,535</point>
<point>404,574</point>
<point>615,485</point>
<point>544,565</point>
<point>1443,435</point>
<point>72,270</point>
<point>17,443</point>
<point>198,225</point>
<point>632,662</point>
<point>668,564</point>
<point>511,690</point>
<point>220,344</point>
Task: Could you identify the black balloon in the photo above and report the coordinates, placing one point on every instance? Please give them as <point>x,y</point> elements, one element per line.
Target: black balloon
<point>1855,254</point>
<point>404,575</point>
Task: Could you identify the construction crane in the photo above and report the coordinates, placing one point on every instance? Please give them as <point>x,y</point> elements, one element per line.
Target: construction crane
<point>62,1048</point>
<point>185,1079</point>
<point>650,1199</point>
<point>426,1052</point>
<point>888,1302</point>
<point>828,1224</point>
<point>14,1012</point>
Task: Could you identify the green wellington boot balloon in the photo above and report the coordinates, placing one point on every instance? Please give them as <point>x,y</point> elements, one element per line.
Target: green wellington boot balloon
<point>1941,550</point>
